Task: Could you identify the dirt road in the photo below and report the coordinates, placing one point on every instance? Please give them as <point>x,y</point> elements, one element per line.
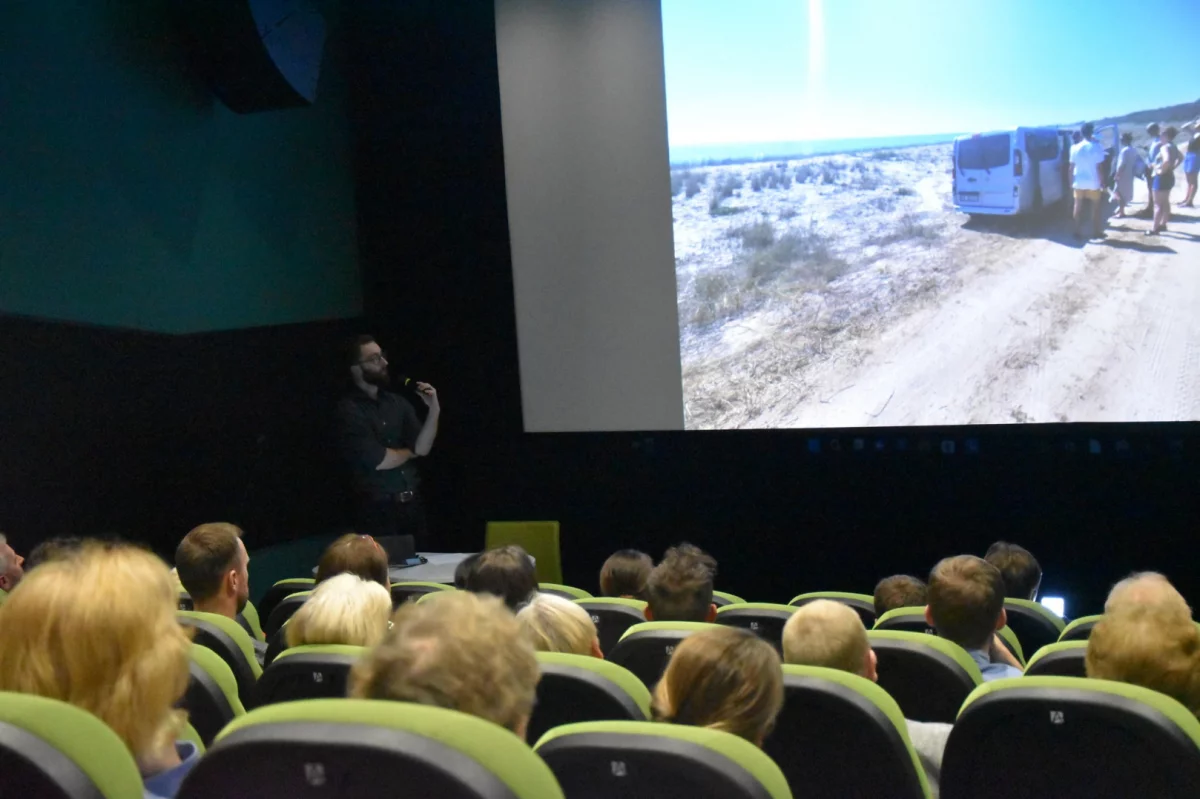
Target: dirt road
<point>1038,328</point>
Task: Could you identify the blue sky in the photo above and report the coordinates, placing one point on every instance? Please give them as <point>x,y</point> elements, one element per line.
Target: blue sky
<point>788,70</point>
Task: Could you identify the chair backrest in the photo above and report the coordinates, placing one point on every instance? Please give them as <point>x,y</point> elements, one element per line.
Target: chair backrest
<point>1062,659</point>
<point>185,601</point>
<point>284,610</point>
<point>641,759</point>
<point>929,677</point>
<point>211,699</point>
<point>1012,643</point>
<point>576,688</point>
<point>308,672</point>
<point>842,735</point>
<point>539,539</point>
<point>645,648</point>
<point>612,617</point>
<point>52,750</point>
<point>406,590</point>
<point>360,748</point>
<point>564,591</point>
<point>723,598</point>
<point>231,643</point>
<point>905,620</point>
<point>280,590</point>
<point>1034,624</point>
<point>1079,629</point>
<point>250,614</point>
<point>1066,736</point>
<point>764,619</point>
<point>863,604</point>
<point>276,644</point>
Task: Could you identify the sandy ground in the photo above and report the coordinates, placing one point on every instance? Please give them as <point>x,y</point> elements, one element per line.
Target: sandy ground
<point>993,321</point>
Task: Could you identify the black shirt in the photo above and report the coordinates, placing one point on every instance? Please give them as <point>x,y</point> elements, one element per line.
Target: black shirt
<point>366,429</point>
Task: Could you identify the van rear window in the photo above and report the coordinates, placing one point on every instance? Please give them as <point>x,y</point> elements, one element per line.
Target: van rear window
<point>985,152</point>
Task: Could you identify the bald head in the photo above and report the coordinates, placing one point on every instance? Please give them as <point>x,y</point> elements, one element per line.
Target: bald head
<point>1143,590</point>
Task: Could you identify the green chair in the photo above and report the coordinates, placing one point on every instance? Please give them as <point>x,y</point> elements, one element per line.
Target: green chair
<point>863,604</point>
<point>231,643</point>
<point>1063,659</point>
<point>51,749</point>
<point>645,648</point>
<point>364,748</point>
<point>905,620</point>
<point>1012,643</point>
<point>645,760</point>
<point>539,539</point>
<point>1079,629</point>
<point>764,619</point>
<point>404,591</point>
<point>284,610</point>
<point>833,717</point>
<point>1071,737</point>
<point>576,688</point>
<point>281,589</point>
<point>211,699</point>
<point>612,617</point>
<point>308,672</point>
<point>723,598</point>
<point>564,591</point>
<point>250,614</point>
<point>189,733</point>
<point>1034,624</point>
<point>929,677</point>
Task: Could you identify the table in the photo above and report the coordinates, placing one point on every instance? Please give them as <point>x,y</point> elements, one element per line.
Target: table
<point>439,569</point>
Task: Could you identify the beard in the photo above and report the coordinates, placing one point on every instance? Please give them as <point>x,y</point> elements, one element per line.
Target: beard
<point>380,379</point>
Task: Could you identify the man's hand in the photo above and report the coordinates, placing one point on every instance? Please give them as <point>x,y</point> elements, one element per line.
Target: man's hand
<point>428,395</point>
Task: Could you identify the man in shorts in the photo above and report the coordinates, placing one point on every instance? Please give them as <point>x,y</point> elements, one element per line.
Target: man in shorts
<point>1152,131</point>
<point>1086,160</point>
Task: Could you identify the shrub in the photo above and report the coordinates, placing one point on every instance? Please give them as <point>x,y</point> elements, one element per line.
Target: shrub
<point>755,235</point>
<point>885,155</point>
<point>805,255</point>
<point>884,202</point>
<point>724,186</point>
<point>788,213</point>
<point>806,173</point>
<point>693,182</point>
<point>905,191</point>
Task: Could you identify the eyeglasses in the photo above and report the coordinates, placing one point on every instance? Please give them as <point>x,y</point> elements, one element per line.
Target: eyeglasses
<point>376,359</point>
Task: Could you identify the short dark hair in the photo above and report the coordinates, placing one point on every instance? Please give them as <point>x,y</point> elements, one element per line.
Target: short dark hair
<point>204,556</point>
<point>1152,128</point>
<point>53,549</point>
<point>1087,129</point>
<point>966,596</point>
<point>462,572</point>
<point>899,591</point>
<point>626,573</point>
<point>1171,132</point>
<point>681,585</point>
<point>1126,138</point>
<point>507,572</point>
<point>354,345</point>
<point>354,554</point>
<point>1021,572</point>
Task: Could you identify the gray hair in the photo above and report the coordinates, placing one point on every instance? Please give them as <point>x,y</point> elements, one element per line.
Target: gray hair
<point>1144,588</point>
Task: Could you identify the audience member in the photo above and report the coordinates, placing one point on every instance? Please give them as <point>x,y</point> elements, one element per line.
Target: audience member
<point>1151,645</point>
<point>463,571</point>
<point>966,606</point>
<point>680,587</point>
<point>507,572</point>
<point>1018,567</point>
<point>127,663</point>
<point>464,652</point>
<point>554,624</point>
<point>11,565</point>
<point>831,635</point>
<point>625,574</point>
<point>355,554</point>
<point>212,565</point>
<point>53,549</point>
<point>898,591</point>
<point>1144,589</point>
<point>725,679</point>
<point>345,609</point>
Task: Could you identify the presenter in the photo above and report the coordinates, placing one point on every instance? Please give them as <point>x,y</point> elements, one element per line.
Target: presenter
<point>381,437</point>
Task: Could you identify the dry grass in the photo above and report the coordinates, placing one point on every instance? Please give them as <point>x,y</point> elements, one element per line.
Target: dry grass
<point>723,187</point>
<point>755,235</point>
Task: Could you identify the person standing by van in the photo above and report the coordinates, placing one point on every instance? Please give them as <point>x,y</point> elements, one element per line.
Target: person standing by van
<point>1130,165</point>
<point>1152,130</point>
<point>1191,170</point>
<point>1165,162</point>
<point>1086,160</point>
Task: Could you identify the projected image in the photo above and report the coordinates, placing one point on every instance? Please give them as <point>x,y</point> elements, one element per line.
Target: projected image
<point>875,221</point>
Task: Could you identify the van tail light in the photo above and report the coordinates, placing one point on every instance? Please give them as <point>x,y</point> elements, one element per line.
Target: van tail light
<point>1018,164</point>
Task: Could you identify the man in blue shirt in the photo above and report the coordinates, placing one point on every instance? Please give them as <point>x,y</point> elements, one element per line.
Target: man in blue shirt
<point>966,606</point>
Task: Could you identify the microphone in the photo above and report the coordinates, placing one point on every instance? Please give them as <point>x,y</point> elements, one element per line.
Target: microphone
<point>407,382</point>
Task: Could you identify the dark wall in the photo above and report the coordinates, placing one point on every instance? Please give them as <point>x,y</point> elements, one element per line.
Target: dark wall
<point>438,287</point>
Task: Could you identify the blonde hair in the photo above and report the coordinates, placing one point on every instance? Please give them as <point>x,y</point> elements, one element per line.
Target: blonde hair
<point>345,609</point>
<point>1151,646</point>
<point>98,631</point>
<point>826,633</point>
<point>464,652</point>
<point>1143,589</point>
<point>554,624</point>
<point>725,678</point>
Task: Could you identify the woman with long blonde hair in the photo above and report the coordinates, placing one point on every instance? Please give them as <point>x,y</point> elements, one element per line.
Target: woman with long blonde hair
<point>97,630</point>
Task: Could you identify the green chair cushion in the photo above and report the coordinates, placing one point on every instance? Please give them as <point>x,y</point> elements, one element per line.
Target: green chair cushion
<point>424,584</point>
<point>576,593</point>
<point>79,735</point>
<point>305,581</point>
<point>321,649</point>
<point>639,604</point>
<point>306,592</point>
<point>1082,620</point>
<point>737,749</point>
<point>914,611</point>
<point>870,600</point>
<point>621,676</point>
<point>877,696</point>
<point>1038,609</point>
<point>250,614</point>
<point>1010,638</point>
<point>757,606</point>
<point>1049,649</point>
<point>728,597</point>
<point>495,748</point>
<point>234,631</point>
<point>188,733</point>
<point>219,670</point>
<point>949,648</point>
<point>647,626</point>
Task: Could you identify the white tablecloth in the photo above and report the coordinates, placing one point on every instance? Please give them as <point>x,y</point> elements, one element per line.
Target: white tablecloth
<point>439,569</point>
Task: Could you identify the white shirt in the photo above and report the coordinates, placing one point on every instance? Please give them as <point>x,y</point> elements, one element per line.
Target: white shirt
<point>1087,156</point>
